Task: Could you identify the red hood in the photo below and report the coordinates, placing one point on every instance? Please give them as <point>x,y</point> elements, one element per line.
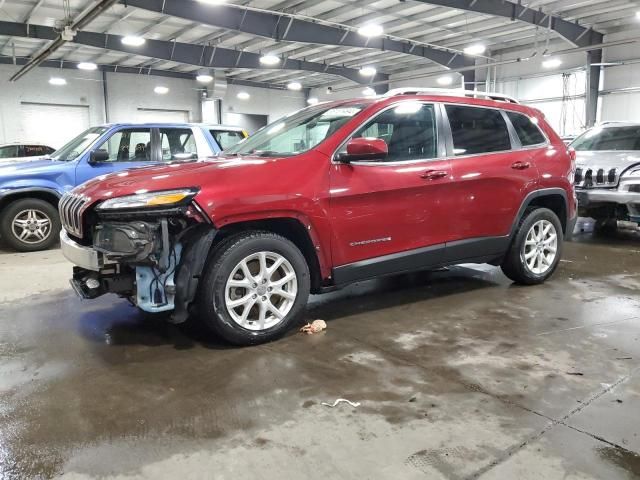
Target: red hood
<point>169,177</point>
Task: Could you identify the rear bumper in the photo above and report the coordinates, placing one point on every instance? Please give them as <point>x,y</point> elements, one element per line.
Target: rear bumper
<point>81,256</point>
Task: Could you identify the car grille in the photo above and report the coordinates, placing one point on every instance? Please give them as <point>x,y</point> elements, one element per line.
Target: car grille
<point>71,208</point>
<point>596,177</point>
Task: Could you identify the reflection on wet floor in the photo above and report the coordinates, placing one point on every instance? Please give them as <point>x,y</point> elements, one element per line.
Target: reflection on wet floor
<point>459,374</point>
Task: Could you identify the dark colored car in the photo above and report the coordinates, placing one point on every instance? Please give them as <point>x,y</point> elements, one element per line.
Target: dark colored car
<point>21,151</point>
<point>336,193</point>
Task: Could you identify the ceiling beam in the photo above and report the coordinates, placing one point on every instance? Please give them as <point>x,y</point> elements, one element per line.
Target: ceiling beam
<point>286,27</point>
<point>572,32</point>
<point>58,64</point>
<point>205,56</point>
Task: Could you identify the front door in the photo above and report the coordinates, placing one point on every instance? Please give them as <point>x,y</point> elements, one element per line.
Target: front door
<point>385,212</point>
<point>125,148</point>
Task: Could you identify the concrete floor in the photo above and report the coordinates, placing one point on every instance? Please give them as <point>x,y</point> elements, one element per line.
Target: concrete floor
<point>460,375</point>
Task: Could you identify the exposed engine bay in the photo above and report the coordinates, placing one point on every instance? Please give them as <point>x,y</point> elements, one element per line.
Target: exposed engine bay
<point>153,259</point>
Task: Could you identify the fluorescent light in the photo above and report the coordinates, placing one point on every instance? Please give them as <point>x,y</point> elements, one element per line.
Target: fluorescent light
<point>87,66</point>
<point>551,63</point>
<point>371,30</point>
<point>212,2</point>
<point>296,86</point>
<point>204,78</point>
<point>133,41</point>
<point>445,80</point>
<point>368,71</point>
<point>638,14</point>
<point>368,92</point>
<point>160,90</point>
<point>312,101</point>
<point>243,96</point>
<point>57,81</point>
<point>269,59</point>
<point>476,49</point>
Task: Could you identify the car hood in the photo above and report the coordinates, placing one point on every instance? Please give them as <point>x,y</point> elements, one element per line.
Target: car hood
<point>28,167</point>
<point>620,160</point>
<point>169,176</point>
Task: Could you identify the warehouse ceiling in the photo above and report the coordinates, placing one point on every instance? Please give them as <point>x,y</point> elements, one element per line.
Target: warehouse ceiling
<point>423,34</point>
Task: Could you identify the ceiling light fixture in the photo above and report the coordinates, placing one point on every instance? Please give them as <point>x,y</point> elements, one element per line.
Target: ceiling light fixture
<point>368,71</point>
<point>371,30</point>
<point>57,81</point>
<point>369,92</point>
<point>243,96</point>
<point>160,90</point>
<point>476,49</point>
<point>211,2</point>
<point>445,80</point>
<point>551,63</point>
<point>133,41</point>
<point>313,101</point>
<point>295,86</point>
<point>204,78</point>
<point>269,59</point>
<point>87,66</point>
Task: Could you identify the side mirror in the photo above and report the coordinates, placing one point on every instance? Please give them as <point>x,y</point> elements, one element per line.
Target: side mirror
<point>98,156</point>
<point>365,149</point>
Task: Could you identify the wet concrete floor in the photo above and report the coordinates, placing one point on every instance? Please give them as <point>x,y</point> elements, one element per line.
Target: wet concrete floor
<point>460,375</point>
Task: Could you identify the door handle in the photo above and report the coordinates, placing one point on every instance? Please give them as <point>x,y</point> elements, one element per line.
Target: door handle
<point>521,165</point>
<point>434,174</point>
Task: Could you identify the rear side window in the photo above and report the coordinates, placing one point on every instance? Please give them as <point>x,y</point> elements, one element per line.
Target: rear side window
<point>178,144</point>
<point>9,152</point>
<point>528,132</point>
<point>36,150</point>
<point>227,138</point>
<point>477,130</point>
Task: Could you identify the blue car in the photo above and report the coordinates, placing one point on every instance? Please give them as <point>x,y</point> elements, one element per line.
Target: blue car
<point>30,190</point>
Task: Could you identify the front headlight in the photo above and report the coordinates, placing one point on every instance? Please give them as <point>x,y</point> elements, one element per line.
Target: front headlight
<point>165,198</point>
<point>633,173</point>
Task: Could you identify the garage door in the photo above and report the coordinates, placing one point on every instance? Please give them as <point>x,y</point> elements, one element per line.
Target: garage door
<point>52,124</point>
<point>148,115</point>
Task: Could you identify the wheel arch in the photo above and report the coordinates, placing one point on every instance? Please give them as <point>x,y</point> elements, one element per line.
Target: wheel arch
<point>48,195</point>
<point>555,199</point>
<point>295,229</point>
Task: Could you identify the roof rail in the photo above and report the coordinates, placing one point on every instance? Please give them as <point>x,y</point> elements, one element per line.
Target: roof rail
<point>451,92</point>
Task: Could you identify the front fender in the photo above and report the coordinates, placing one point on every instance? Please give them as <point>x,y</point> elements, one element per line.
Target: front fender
<point>9,189</point>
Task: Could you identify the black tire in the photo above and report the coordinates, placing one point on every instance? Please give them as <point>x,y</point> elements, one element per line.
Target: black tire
<point>212,308</point>
<point>514,265</point>
<point>14,209</point>
<point>605,226</point>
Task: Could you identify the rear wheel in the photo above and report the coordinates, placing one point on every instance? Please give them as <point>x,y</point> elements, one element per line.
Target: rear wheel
<point>255,288</point>
<point>536,248</point>
<point>30,225</point>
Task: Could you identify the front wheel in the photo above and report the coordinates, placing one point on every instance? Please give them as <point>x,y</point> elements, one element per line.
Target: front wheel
<point>536,248</point>
<point>255,288</point>
<point>30,225</point>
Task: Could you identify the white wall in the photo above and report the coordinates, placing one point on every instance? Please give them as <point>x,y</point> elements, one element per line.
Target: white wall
<point>274,103</point>
<point>83,88</point>
<point>126,93</point>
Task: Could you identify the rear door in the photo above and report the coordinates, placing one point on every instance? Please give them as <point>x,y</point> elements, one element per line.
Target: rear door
<point>397,204</point>
<point>491,173</point>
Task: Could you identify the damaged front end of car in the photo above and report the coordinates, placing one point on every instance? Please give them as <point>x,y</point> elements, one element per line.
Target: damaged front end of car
<point>150,248</point>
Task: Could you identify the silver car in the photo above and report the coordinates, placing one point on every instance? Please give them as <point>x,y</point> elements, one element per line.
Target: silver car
<point>23,151</point>
<point>608,173</point>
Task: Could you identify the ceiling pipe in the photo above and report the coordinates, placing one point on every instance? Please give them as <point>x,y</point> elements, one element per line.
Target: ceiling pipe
<point>67,35</point>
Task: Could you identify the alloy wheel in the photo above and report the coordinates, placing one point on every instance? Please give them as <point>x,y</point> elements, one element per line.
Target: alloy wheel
<point>540,247</point>
<point>261,291</point>
<point>31,226</point>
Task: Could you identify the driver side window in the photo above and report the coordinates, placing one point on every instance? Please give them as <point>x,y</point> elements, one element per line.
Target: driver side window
<point>409,130</point>
<point>128,146</point>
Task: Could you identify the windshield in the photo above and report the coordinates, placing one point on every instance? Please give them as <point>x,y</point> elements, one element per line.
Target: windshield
<point>296,133</point>
<point>608,138</point>
<point>75,147</point>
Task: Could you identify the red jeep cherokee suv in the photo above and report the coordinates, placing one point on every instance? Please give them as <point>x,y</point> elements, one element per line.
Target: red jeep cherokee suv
<point>335,193</point>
